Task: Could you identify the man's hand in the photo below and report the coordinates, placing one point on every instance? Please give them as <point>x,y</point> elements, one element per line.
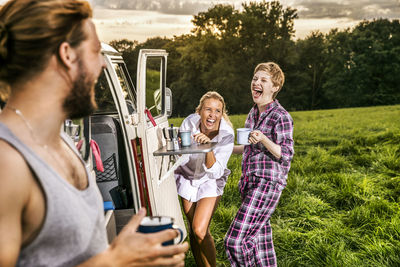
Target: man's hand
<point>137,249</point>
<point>131,248</point>
<point>201,138</point>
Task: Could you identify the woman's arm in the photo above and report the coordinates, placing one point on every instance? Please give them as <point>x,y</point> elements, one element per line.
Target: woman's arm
<point>284,137</point>
<point>210,156</point>
<point>257,136</point>
<point>283,149</point>
<point>216,161</point>
<point>238,149</point>
<point>210,159</point>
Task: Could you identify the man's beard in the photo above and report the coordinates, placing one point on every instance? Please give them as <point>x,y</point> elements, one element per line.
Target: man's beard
<point>79,103</point>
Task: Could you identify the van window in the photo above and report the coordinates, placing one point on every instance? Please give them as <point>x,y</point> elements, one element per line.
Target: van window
<point>154,82</point>
<point>103,96</point>
<point>128,90</point>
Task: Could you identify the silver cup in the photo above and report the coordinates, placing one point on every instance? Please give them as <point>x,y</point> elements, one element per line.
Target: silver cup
<point>171,135</point>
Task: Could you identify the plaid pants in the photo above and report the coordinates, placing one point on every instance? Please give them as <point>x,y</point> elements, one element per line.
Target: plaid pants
<point>248,241</point>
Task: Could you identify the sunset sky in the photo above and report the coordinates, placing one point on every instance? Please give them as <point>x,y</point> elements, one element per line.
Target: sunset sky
<point>142,19</point>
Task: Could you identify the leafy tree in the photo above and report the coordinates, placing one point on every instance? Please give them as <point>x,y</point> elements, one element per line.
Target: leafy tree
<point>337,75</point>
<point>228,44</point>
<point>375,62</point>
<point>312,62</point>
<point>364,65</point>
<point>189,85</point>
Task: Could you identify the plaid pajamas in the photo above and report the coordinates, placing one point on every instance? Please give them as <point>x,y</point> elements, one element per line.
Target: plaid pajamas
<point>249,238</point>
<point>248,241</point>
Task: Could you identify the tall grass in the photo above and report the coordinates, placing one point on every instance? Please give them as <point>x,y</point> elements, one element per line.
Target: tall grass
<point>341,205</point>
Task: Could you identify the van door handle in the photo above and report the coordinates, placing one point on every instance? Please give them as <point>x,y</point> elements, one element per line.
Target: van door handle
<point>148,113</point>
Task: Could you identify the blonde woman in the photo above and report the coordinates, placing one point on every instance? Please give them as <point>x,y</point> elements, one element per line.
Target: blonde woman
<point>201,178</point>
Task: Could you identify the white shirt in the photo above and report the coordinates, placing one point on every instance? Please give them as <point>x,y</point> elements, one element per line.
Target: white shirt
<point>194,180</point>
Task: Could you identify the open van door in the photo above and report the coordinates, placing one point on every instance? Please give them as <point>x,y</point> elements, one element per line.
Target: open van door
<point>153,107</point>
<point>133,177</point>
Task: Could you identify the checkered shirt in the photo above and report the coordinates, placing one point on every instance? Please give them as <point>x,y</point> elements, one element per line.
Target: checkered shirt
<point>277,124</point>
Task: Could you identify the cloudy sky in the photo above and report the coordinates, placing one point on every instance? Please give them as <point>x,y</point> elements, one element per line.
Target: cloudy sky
<point>142,19</point>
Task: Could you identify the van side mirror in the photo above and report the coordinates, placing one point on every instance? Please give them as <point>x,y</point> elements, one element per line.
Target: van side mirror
<point>168,101</point>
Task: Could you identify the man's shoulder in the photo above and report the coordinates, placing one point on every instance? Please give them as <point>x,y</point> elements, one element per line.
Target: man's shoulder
<point>8,152</point>
<point>15,192</point>
<point>15,174</point>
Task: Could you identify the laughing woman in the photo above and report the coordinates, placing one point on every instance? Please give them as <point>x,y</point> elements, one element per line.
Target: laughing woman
<point>265,166</point>
<point>201,178</point>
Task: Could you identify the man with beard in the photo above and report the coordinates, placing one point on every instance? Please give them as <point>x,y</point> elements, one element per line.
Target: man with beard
<point>50,209</point>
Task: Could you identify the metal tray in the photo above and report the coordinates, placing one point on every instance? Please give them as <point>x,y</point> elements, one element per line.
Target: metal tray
<point>193,149</point>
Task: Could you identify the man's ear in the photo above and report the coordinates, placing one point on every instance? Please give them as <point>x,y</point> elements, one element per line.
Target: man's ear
<point>67,55</point>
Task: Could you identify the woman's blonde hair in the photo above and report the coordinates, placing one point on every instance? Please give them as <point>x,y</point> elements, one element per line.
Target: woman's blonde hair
<point>277,75</point>
<point>216,96</point>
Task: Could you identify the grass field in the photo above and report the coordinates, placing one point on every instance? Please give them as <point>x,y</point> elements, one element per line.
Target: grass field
<point>341,206</point>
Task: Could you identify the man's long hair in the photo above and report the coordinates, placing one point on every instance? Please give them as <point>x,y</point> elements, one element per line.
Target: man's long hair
<point>31,31</point>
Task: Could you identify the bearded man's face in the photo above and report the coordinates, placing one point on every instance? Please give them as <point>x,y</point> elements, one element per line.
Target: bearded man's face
<point>81,102</point>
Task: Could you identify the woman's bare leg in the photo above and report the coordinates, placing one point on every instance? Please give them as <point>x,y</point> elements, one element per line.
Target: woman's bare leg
<point>189,210</point>
<point>203,212</point>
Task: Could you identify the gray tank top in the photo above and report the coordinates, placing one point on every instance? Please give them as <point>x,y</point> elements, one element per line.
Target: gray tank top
<point>73,228</point>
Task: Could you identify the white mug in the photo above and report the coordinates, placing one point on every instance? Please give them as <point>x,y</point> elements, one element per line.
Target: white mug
<point>243,136</point>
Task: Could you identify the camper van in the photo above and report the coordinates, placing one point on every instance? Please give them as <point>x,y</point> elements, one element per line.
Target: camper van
<point>125,144</point>
<point>118,141</point>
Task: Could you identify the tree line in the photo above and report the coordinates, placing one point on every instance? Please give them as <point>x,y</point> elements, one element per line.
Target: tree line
<point>343,68</point>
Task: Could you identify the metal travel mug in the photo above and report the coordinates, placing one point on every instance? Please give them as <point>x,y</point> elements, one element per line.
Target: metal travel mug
<point>186,137</point>
<point>152,224</point>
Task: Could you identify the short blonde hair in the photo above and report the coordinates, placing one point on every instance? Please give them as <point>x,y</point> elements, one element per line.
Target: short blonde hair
<point>217,96</point>
<point>277,75</point>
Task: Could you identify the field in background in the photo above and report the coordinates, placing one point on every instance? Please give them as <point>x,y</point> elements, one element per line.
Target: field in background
<point>341,206</point>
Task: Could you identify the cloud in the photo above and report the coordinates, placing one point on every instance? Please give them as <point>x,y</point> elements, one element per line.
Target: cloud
<point>314,9</point>
<point>115,24</point>
<point>356,10</point>
<point>177,7</point>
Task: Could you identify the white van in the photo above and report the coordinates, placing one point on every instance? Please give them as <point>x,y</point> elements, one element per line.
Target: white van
<point>127,128</point>
<point>138,170</point>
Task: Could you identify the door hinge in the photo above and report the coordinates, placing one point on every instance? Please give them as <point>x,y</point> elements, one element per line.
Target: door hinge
<point>131,119</point>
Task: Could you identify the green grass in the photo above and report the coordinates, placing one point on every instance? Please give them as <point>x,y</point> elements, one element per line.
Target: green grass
<point>341,204</point>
